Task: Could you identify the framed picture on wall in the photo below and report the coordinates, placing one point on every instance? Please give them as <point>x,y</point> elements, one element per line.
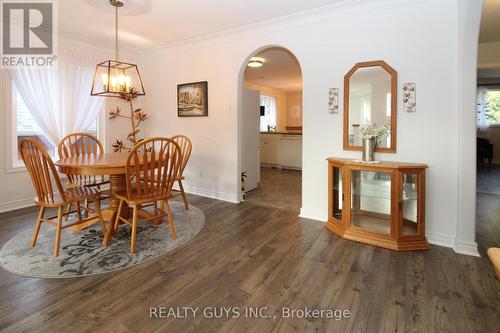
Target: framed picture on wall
<point>192,99</point>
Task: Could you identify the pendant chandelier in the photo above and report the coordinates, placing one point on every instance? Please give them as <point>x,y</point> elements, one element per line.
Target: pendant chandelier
<point>115,78</point>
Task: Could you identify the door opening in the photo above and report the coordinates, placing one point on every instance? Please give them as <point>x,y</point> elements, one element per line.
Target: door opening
<point>271,129</point>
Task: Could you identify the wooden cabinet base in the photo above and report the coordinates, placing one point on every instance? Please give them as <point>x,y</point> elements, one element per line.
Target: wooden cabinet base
<point>378,204</point>
<point>401,245</point>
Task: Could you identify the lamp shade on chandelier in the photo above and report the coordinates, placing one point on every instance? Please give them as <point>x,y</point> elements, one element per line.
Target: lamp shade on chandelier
<point>115,78</point>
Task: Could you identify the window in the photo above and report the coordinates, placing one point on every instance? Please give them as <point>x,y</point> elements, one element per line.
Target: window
<point>493,107</point>
<point>268,120</point>
<point>24,126</point>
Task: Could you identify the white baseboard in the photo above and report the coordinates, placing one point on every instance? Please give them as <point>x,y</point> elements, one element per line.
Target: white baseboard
<point>17,204</point>
<point>468,248</point>
<point>440,239</point>
<point>312,215</point>
<point>271,165</point>
<point>229,197</point>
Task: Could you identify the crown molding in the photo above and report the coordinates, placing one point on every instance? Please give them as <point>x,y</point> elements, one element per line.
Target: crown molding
<point>67,40</point>
<point>333,12</point>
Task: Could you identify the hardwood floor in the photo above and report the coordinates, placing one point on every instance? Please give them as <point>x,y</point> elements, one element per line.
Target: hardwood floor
<point>488,179</point>
<point>279,189</point>
<point>250,255</point>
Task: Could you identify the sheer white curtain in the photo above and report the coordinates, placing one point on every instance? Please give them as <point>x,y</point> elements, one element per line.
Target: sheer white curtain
<point>38,88</point>
<point>269,118</point>
<point>59,99</point>
<point>78,108</point>
<point>482,99</point>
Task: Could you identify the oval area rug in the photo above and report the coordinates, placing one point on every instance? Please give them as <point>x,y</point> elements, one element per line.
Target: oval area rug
<point>82,253</point>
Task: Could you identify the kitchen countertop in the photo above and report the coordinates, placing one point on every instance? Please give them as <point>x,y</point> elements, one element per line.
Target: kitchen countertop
<point>283,133</point>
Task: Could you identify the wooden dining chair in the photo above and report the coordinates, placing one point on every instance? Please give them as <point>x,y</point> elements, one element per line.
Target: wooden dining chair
<point>50,192</point>
<point>152,168</point>
<point>186,148</point>
<point>77,144</point>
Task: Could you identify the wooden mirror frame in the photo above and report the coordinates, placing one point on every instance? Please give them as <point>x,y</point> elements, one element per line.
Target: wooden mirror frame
<point>394,104</point>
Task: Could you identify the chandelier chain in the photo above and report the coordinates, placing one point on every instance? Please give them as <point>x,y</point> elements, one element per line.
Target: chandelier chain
<point>116,33</point>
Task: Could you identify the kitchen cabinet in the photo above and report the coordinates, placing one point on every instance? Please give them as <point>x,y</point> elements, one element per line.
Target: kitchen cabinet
<point>281,150</point>
<point>291,151</point>
<point>270,152</point>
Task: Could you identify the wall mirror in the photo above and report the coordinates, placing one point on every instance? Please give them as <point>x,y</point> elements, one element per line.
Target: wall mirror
<point>370,98</point>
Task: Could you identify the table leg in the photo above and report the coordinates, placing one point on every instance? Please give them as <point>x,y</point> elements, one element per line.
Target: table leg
<point>118,183</point>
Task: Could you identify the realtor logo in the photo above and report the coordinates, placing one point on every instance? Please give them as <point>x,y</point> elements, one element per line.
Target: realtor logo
<point>28,33</point>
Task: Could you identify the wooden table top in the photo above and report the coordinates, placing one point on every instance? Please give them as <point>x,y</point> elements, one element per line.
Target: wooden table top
<point>109,160</point>
<point>99,164</point>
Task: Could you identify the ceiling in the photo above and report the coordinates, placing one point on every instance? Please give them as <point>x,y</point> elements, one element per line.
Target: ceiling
<point>280,70</point>
<point>490,22</point>
<point>160,22</point>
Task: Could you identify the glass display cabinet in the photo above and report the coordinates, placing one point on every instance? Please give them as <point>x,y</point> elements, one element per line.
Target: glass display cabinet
<point>380,204</point>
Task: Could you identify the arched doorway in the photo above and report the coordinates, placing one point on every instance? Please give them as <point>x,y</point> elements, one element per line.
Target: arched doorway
<point>270,128</point>
<point>488,130</point>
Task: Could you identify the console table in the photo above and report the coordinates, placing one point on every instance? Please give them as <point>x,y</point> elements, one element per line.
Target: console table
<point>378,204</point>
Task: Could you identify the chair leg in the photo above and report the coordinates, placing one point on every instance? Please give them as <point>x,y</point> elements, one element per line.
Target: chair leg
<point>113,225</point>
<point>78,211</point>
<point>134,230</point>
<point>86,211</point>
<point>37,226</point>
<point>170,220</point>
<point>162,210</point>
<point>68,210</point>
<point>118,214</point>
<point>186,205</point>
<point>97,204</point>
<point>58,231</point>
<point>156,213</point>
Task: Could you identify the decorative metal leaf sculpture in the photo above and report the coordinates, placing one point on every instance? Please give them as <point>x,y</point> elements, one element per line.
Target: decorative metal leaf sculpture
<point>141,116</point>
<point>136,117</point>
<point>118,146</point>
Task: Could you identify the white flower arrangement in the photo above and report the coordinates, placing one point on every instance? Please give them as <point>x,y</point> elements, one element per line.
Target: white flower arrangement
<point>373,131</point>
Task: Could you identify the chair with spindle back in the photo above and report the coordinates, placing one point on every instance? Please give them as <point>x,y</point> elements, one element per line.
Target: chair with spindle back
<point>77,144</point>
<point>186,148</point>
<point>152,168</point>
<point>50,192</point>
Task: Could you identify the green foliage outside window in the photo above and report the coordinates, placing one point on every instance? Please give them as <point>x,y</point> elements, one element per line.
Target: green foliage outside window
<point>493,107</point>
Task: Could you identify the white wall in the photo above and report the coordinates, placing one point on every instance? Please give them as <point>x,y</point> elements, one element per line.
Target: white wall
<point>293,99</point>
<point>468,22</point>
<point>418,38</point>
<point>20,191</point>
<point>489,55</point>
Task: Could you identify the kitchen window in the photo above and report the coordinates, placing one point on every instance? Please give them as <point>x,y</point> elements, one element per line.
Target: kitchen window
<point>268,120</point>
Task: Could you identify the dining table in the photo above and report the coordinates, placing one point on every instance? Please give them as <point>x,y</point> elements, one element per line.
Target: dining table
<point>112,165</point>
